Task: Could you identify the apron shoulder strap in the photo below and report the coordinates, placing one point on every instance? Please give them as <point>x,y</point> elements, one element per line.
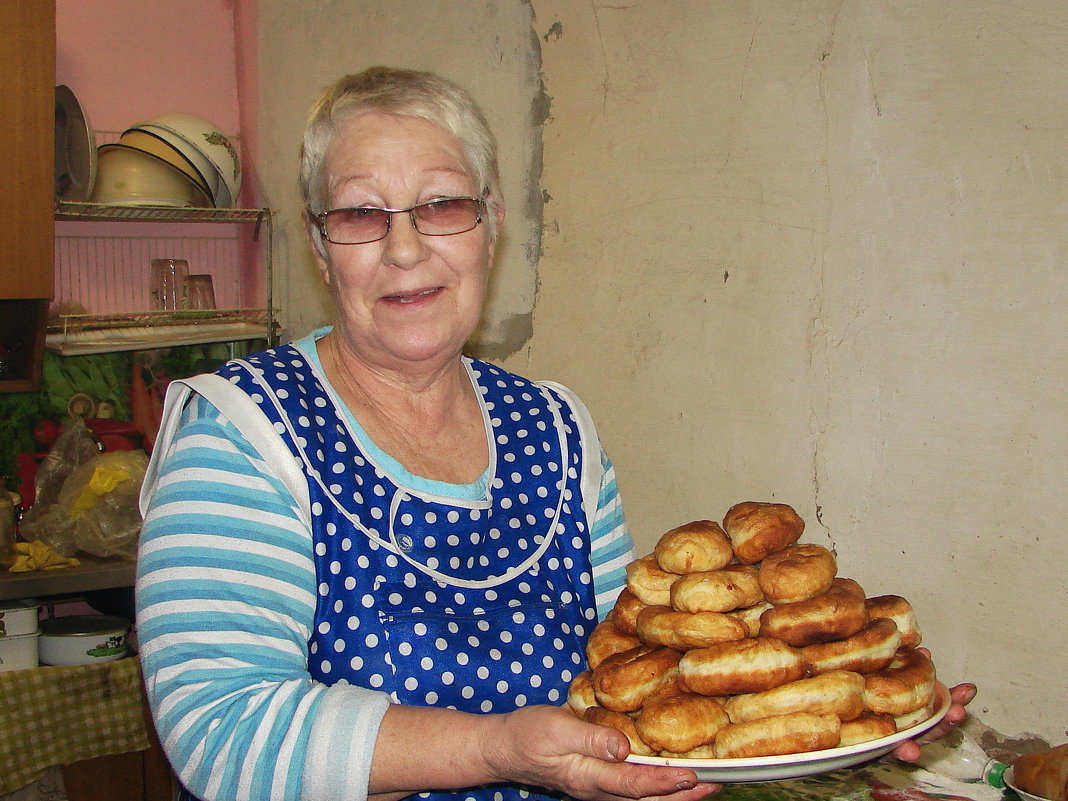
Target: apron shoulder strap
<point>592,470</point>
<point>245,415</point>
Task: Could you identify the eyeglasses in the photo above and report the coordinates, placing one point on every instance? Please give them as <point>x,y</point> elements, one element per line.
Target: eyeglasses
<point>364,224</point>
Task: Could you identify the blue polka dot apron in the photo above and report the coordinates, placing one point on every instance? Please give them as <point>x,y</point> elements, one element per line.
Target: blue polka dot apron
<point>482,606</point>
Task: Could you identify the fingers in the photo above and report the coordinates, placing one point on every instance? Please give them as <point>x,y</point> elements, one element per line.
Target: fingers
<point>549,747</point>
<point>960,696</point>
<point>963,694</point>
<point>648,782</point>
<point>908,751</point>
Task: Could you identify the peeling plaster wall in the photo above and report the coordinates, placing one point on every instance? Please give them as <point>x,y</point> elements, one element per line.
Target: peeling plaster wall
<point>814,252</point>
<point>810,252</point>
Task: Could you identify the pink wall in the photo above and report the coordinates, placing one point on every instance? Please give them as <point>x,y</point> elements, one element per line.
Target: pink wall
<point>127,60</point>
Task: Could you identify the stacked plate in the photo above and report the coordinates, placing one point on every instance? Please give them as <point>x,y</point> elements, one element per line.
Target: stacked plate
<point>196,147</point>
<point>75,150</point>
<point>174,159</point>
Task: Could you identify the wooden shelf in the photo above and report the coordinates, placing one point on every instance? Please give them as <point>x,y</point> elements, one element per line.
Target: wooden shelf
<point>92,574</point>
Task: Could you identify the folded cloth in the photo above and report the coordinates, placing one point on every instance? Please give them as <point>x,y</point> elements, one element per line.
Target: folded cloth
<point>38,556</point>
<point>58,715</point>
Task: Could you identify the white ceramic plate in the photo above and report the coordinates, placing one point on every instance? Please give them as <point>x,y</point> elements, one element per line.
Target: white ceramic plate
<point>793,766</point>
<point>1010,782</point>
<point>75,149</point>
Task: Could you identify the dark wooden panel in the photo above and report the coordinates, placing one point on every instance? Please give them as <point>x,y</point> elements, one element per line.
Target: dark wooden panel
<point>27,120</point>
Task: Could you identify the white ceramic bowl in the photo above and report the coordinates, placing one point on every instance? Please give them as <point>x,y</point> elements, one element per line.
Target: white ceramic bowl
<point>209,140</point>
<point>201,163</point>
<point>158,146</point>
<point>83,639</point>
<point>127,176</point>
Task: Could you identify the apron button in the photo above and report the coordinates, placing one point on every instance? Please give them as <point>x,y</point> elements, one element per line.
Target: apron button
<point>406,543</point>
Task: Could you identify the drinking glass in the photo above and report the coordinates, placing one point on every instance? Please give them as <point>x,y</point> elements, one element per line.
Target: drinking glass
<point>168,284</point>
<point>199,292</point>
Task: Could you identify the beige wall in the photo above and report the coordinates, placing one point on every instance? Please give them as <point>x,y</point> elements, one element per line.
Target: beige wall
<point>808,252</point>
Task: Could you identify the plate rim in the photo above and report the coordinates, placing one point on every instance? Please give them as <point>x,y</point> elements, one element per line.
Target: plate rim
<point>806,757</point>
<point>76,130</point>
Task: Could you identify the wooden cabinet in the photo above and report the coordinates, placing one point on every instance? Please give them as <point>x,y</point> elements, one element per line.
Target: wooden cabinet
<point>27,120</point>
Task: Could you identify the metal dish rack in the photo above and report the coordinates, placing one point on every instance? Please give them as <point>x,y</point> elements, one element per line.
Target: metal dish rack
<point>102,257</point>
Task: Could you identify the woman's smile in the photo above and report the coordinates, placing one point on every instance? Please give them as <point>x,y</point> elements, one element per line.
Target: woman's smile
<point>416,296</point>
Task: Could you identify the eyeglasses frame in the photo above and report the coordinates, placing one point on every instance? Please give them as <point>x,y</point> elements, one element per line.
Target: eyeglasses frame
<point>320,218</point>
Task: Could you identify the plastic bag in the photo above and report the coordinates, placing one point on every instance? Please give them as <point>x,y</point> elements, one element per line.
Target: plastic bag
<point>73,448</point>
<point>96,511</point>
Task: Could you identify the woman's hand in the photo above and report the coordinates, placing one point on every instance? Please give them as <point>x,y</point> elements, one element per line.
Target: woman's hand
<point>550,747</point>
<point>960,696</point>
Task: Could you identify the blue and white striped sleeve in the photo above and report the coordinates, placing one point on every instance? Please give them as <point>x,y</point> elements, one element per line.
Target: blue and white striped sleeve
<point>612,547</point>
<point>226,598</point>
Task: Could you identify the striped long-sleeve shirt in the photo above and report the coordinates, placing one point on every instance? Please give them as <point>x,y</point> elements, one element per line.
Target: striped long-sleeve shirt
<point>225,604</point>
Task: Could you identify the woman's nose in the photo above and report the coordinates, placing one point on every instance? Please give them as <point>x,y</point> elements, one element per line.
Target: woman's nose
<point>404,246</point>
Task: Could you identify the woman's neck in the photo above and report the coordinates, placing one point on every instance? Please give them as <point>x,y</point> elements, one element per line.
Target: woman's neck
<point>427,418</point>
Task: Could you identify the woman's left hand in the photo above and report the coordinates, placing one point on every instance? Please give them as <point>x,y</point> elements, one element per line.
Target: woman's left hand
<point>960,696</point>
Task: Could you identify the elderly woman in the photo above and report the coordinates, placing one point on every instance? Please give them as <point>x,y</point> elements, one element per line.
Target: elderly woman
<point>369,564</point>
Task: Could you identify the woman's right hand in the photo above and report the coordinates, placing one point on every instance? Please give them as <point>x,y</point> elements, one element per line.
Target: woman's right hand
<point>549,747</point>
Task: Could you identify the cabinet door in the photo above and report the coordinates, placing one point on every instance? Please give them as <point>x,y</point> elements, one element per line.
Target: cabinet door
<point>27,136</point>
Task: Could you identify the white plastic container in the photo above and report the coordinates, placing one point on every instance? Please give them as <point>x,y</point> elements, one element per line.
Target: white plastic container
<point>18,618</point>
<point>18,652</point>
<point>83,639</point>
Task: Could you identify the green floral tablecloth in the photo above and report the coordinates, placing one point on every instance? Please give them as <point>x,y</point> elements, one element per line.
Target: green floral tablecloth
<point>880,781</point>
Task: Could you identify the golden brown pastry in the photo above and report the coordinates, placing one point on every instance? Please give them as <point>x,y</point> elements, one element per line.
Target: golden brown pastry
<point>650,582</point>
<point>868,650</point>
<point>666,690</point>
<point>621,722</point>
<point>901,612</point>
<point>662,625</point>
<point>848,584</point>
<point>580,695</point>
<point>701,752</point>
<point>796,573</point>
<point>681,723</point>
<point>723,590</point>
<point>1044,774</point>
<point>792,733</point>
<point>606,639</point>
<point>839,692</point>
<point>750,617</point>
<point>866,727</point>
<point>835,614</point>
<point>910,719</point>
<point>694,547</point>
<point>623,682</point>
<point>757,529</point>
<point>751,665</point>
<point>907,683</point>
<point>625,612</point>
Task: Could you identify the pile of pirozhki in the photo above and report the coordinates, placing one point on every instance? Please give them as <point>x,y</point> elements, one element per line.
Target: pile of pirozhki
<point>736,640</point>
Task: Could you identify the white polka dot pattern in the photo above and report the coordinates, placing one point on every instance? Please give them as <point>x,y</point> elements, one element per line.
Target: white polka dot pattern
<point>385,623</point>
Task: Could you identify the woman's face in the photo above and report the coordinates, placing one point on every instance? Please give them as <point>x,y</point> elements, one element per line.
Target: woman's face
<point>409,299</point>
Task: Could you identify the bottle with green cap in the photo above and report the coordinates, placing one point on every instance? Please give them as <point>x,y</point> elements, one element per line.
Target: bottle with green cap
<point>958,756</point>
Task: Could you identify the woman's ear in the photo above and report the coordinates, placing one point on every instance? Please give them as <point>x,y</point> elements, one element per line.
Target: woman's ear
<point>497,210</point>
<point>313,238</point>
